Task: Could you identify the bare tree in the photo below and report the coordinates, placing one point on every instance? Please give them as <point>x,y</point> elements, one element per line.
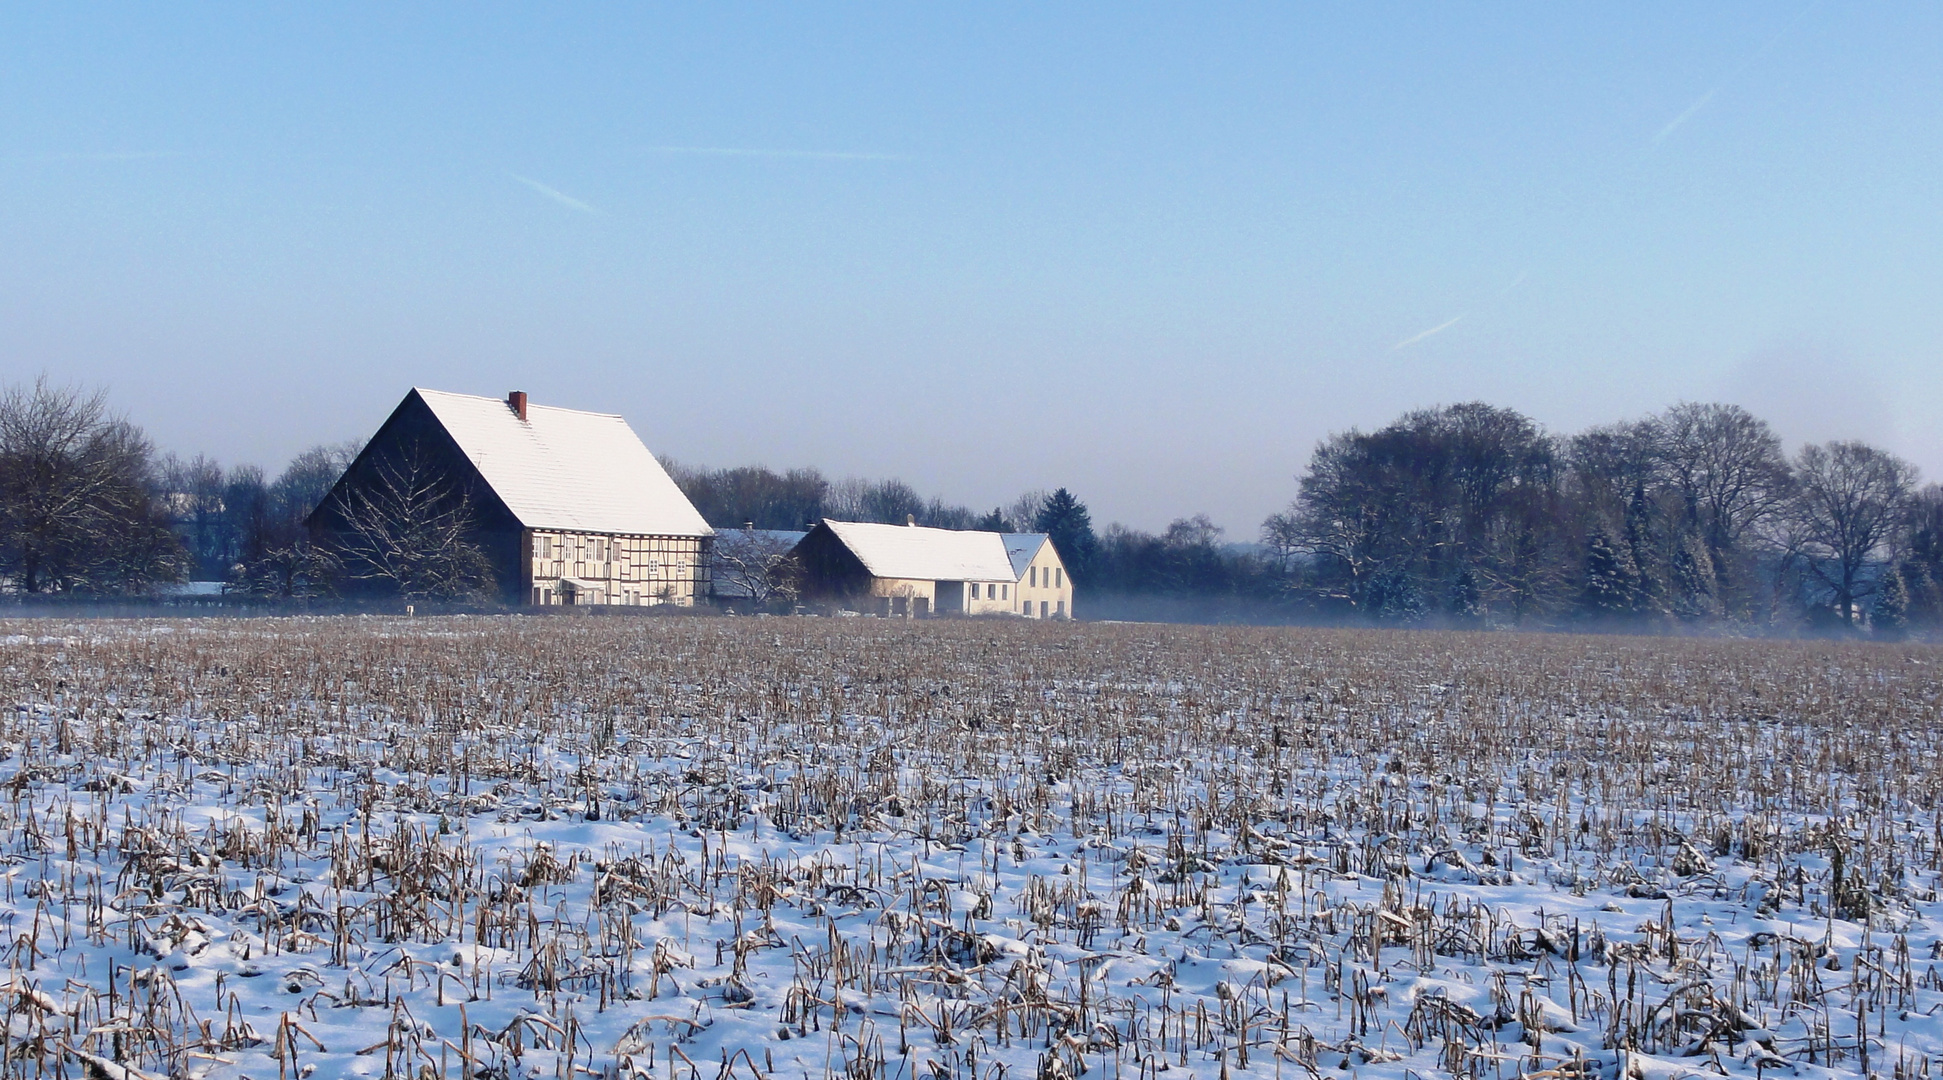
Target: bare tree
<point>77,506</point>
<point>192,491</point>
<point>279,558</point>
<point>300,570</point>
<point>1464,491</point>
<point>1285,540</point>
<point>1021,515</point>
<point>1346,518</point>
<point>405,527</point>
<point>1729,469</point>
<point>309,477</point>
<point>757,564</point>
<point>1851,501</point>
<point>752,494</point>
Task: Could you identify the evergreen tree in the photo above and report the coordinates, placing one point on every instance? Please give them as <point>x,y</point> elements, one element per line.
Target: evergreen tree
<point>1890,613</point>
<point>1649,587</point>
<point>1693,580</point>
<point>1925,598</point>
<point>1065,520</point>
<point>1466,601</point>
<point>1393,596</point>
<point>1611,582</point>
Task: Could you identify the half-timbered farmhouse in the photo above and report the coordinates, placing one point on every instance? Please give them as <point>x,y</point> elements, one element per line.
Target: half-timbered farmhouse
<point>568,507</point>
<point>915,570</point>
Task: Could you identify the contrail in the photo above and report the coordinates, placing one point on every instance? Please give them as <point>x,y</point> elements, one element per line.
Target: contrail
<point>105,155</point>
<point>560,197</point>
<point>740,151</point>
<point>1686,114</point>
<point>1438,329</point>
<point>1701,102</point>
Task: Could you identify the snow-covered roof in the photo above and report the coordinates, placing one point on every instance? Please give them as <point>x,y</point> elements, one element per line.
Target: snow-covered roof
<point>1020,548</point>
<point>566,469</point>
<point>920,553</point>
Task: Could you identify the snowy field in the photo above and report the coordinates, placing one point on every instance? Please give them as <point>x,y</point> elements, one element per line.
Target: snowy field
<point>703,848</point>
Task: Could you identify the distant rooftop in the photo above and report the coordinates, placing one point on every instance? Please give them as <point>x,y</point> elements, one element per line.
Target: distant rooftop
<point>920,553</point>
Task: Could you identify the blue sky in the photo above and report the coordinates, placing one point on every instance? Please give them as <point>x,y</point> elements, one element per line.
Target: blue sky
<point>1150,253</point>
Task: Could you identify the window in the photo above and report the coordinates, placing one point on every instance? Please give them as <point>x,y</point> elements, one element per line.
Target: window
<point>1005,592</point>
<point>991,592</point>
<point>1042,608</point>
<point>1058,579</point>
<point>1060,608</point>
<point>1032,576</point>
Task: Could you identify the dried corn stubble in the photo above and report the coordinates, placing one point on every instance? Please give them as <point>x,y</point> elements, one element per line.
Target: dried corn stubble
<point>498,847</point>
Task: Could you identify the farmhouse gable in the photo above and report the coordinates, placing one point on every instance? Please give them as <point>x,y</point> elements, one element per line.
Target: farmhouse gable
<point>568,506</point>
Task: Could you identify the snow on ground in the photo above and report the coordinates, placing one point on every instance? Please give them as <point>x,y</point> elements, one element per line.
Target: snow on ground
<point>533,847</point>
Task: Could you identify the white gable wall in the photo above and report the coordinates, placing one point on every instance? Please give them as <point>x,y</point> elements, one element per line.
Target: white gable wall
<point>1044,590</point>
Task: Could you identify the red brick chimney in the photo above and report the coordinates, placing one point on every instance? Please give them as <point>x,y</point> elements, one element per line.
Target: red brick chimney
<point>517,402</point>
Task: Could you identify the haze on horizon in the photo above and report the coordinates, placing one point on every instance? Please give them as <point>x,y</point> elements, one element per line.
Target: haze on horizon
<point>1149,254</point>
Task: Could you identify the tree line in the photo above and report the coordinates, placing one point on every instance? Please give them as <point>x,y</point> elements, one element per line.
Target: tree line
<point>1472,514</point>
<point>758,497</point>
<point>89,509</point>
<point>1461,515</point>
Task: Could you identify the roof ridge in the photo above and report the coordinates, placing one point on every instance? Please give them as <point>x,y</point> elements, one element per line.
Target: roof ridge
<point>531,405</point>
<point>565,469</point>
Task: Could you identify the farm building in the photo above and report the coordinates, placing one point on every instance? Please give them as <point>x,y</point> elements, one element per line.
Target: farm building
<point>567,507</point>
<point>914,570</point>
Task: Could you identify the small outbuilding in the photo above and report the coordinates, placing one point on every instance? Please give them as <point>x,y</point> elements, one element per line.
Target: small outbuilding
<point>915,570</point>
